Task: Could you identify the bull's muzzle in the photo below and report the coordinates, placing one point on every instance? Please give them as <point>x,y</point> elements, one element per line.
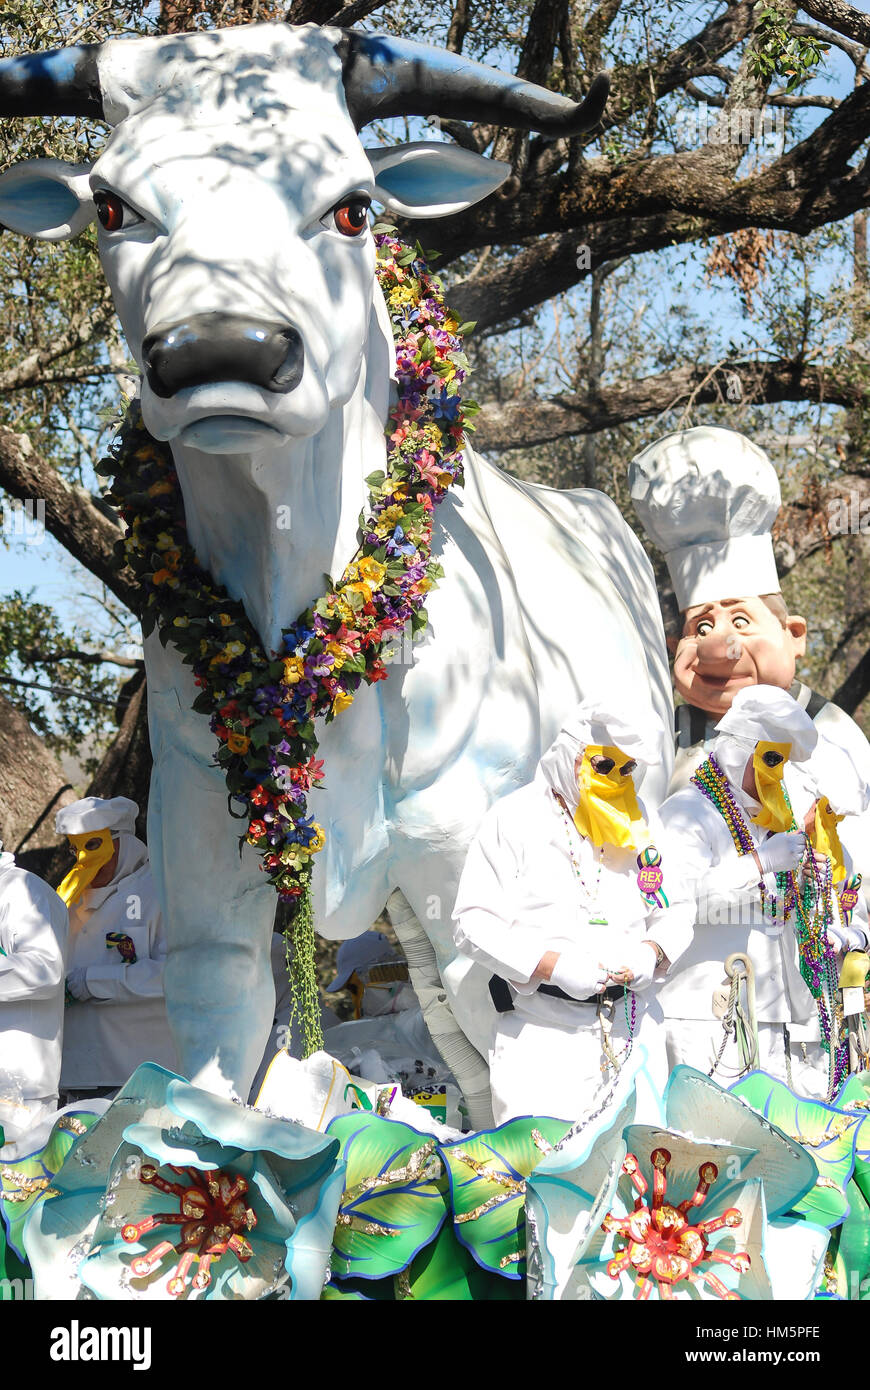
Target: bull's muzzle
<point>223,347</point>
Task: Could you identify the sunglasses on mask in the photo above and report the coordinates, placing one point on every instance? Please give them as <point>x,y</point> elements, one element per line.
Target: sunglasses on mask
<point>606,765</point>
<point>771,759</point>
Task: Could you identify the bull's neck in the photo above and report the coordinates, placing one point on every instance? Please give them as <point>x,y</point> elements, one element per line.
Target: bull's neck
<point>268,526</point>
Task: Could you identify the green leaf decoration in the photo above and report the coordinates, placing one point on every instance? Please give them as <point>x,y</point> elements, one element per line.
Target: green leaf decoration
<point>444,1271</point>
<point>392,1205</point>
<point>12,1270</point>
<point>855,1097</point>
<point>488,1174</point>
<point>847,1263</point>
<point>349,1292</point>
<point>24,1182</point>
<point>825,1131</point>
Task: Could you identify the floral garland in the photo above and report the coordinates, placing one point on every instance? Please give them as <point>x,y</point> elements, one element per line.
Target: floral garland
<point>263,706</point>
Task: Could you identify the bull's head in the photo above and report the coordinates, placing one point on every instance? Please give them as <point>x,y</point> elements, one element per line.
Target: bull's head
<point>232,197</point>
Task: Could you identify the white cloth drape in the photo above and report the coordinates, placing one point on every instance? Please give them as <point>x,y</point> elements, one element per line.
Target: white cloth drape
<point>33,935</point>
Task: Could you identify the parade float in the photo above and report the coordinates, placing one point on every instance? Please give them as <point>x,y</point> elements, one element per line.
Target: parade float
<point>276,720</point>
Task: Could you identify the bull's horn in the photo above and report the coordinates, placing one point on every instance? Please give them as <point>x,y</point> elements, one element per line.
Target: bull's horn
<point>62,82</point>
<point>385,76</point>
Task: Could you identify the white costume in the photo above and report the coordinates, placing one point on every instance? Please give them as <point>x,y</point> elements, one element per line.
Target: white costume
<point>708,497</point>
<point>33,939</point>
<point>119,1018</point>
<point>520,896</point>
<point>730,917</point>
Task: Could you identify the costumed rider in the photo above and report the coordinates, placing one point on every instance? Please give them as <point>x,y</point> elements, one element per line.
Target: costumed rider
<point>33,940</point>
<point>782,902</point>
<point>708,497</point>
<point>572,898</point>
<point>116,1012</point>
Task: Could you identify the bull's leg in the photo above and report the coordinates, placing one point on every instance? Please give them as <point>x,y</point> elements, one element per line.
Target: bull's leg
<point>218,912</point>
<point>463,1059</point>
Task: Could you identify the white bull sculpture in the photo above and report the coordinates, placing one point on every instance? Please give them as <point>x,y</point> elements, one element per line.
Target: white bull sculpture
<point>216,193</point>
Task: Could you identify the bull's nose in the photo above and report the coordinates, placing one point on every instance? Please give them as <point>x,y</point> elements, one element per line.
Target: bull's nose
<point>223,347</point>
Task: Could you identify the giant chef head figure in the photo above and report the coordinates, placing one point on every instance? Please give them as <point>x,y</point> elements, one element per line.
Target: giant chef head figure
<point>708,498</point>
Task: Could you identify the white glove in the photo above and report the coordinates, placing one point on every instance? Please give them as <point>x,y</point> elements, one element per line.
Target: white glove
<point>637,964</point>
<point>782,852</point>
<point>578,973</point>
<point>845,938</point>
<point>77,984</point>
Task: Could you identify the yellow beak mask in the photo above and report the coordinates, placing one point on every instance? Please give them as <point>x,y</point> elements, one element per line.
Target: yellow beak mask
<point>93,850</point>
<point>768,764</point>
<point>608,813</point>
<point>826,838</point>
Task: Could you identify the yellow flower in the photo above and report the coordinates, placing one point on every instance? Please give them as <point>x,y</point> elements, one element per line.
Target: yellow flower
<point>245,678</point>
<point>345,611</point>
<point>360,588</point>
<point>402,294</point>
<point>371,569</point>
<point>294,670</point>
<point>235,648</point>
<point>342,701</point>
<point>163,541</point>
<point>388,519</point>
<point>319,840</point>
<point>224,619</point>
<point>238,743</point>
<point>181,622</point>
<point>424,584</point>
<point>158,489</point>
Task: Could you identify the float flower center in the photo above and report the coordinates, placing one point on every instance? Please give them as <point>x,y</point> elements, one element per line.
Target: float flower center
<point>662,1246</point>
<point>212,1215</point>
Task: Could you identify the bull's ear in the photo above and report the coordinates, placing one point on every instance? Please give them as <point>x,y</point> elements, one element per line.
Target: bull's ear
<point>430,179</point>
<point>46,199</point>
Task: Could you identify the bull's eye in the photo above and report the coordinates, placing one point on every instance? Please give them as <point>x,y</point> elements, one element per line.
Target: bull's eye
<point>113,212</point>
<point>351,218</point>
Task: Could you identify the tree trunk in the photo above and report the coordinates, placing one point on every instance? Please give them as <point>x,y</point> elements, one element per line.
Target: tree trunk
<point>124,771</point>
<point>33,786</point>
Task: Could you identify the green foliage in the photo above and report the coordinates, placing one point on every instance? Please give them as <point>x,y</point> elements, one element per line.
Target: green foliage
<point>778,52</point>
<point>32,644</point>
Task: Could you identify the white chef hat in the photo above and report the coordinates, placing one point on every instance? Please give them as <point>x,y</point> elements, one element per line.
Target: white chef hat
<point>360,953</point>
<point>117,814</point>
<point>833,774</point>
<point>708,497</point>
<point>766,714</point>
<point>637,733</point>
